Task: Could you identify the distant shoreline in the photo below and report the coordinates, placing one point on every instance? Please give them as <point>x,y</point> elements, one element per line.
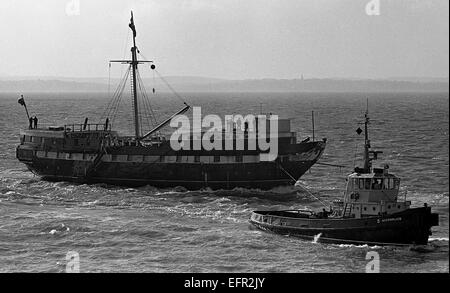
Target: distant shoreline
<point>226,86</point>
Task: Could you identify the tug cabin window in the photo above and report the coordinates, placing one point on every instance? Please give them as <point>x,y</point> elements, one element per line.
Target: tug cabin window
<point>374,183</point>
<point>391,183</point>
<point>367,183</point>
<point>377,183</point>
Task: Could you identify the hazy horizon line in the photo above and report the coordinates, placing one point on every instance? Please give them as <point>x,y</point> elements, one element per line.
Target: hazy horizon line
<point>388,78</point>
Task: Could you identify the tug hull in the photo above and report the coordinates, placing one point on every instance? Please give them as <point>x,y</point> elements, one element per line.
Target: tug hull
<point>412,226</point>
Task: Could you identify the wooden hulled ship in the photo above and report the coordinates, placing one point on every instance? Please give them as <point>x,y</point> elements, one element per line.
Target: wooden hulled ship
<point>370,212</point>
<point>92,153</point>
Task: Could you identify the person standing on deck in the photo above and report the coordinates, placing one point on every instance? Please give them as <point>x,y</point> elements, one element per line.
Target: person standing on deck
<point>31,122</point>
<point>35,122</point>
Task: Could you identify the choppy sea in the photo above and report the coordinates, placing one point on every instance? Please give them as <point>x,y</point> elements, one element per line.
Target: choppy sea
<point>119,229</point>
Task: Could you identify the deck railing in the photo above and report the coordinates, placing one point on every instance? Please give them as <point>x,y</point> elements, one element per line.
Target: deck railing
<point>72,127</point>
<point>86,127</point>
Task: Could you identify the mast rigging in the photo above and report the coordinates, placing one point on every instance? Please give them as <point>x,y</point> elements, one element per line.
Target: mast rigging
<point>134,67</point>
<point>137,82</point>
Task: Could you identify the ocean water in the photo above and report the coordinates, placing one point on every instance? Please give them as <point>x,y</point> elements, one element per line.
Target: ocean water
<point>118,229</point>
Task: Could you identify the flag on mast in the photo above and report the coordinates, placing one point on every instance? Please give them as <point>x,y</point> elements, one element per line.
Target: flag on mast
<point>131,25</point>
<point>21,100</point>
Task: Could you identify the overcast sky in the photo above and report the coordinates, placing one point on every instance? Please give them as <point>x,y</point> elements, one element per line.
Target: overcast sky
<point>234,39</point>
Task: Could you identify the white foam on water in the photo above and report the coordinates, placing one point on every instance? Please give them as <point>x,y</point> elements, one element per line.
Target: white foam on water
<point>431,239</point>
<point>167,192</point>
<point>90,203</point>
<point>316,238</point>
<point>358,246</point>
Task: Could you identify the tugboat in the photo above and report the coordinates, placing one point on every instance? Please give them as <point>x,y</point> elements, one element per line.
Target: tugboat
<point>370,212</point>
<point>95,153</point>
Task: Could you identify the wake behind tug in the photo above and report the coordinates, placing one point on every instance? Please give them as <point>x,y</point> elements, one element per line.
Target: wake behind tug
<point>370,212</point>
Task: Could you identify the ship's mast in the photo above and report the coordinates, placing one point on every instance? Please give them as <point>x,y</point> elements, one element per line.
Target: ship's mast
<point>134,64</point>
<point>366,141</point>
<point>134,68</point>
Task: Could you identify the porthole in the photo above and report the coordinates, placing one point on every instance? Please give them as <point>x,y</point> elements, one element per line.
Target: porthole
<point>365,208</point>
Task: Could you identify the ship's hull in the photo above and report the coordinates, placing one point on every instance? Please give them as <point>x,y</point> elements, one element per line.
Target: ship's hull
<point>408,227</point>
<point>190,176</point>
<point>214,175</point>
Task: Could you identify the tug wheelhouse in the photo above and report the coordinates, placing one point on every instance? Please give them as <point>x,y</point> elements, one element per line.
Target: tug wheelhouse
<point>373,194</point>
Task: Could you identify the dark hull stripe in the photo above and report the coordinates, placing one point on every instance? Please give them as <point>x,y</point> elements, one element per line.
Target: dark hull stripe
<point>151,180</point>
